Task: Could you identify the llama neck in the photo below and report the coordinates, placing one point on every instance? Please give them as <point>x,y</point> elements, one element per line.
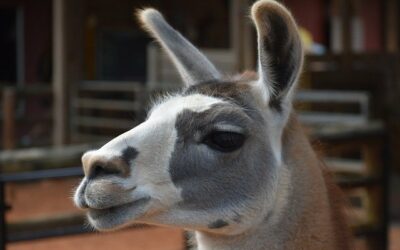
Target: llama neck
<point>306,220</point>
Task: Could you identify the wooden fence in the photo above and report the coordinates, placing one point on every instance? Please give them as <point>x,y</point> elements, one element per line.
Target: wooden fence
<point>13,113</point>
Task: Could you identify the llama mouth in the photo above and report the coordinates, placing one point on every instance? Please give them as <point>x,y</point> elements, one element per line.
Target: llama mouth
<point>108,218</point>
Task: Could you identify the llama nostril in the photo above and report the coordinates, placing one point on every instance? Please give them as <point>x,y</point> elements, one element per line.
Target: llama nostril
<point>98,170</point>
<point>98,166</point>
<point>102,169</point>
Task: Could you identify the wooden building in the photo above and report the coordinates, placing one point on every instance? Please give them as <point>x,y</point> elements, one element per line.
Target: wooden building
<point>62,44</point>
<point>81,70</point>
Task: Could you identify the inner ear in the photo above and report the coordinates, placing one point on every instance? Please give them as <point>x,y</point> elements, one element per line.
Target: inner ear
<point>279,49</point>
<point>280,52</point>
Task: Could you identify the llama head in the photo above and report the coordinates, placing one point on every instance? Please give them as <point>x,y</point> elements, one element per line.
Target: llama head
<point>207,158</point>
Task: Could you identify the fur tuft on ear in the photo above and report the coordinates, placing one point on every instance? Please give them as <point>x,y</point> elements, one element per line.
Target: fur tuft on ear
<point>148,17</point>
<point>145,15</point>
<point>280,52</point>
<point>191,64</point>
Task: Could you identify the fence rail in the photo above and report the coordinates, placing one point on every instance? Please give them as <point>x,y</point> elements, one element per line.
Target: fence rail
<point>56,158</point>
<point>11,96</point>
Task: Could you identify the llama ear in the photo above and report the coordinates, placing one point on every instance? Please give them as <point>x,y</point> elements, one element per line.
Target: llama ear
<point>280,52</point>
<point>191,64</point>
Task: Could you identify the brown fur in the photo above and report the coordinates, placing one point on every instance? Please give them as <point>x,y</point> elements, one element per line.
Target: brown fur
<point>323,217</point>
<point>338,207</point>
<point>317,204</point>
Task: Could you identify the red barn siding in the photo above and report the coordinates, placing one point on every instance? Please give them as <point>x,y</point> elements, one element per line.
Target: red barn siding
<point>310,14</point>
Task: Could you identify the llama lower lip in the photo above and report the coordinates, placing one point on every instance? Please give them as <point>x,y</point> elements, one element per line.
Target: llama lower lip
<point>99,213</point>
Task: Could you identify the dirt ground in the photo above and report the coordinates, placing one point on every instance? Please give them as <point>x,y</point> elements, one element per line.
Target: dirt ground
<point>131,239</point>
<point>138,239</point>
<point>134,239</point>
<point>42,198</point>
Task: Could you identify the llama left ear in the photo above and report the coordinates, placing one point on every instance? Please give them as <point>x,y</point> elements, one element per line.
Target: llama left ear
<point>280,53</point>
<point>191,64</point>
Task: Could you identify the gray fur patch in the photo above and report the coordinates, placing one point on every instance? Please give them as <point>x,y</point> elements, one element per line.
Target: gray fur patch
<point>210,179</point>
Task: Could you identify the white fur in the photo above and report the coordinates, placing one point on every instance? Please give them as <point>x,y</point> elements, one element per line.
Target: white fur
<point>155,140</point>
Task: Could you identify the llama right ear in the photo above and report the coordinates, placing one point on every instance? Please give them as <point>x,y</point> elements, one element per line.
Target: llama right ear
<point>280,53</point>
<point>192,65</point>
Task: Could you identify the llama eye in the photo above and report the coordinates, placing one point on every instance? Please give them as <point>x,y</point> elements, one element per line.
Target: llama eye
<point>224,141</point>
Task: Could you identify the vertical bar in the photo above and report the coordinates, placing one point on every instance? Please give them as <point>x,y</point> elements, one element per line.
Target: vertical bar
<point>357,28</point>
<point>153,68</point>
<point>236,28</point>
<point>386,161</point>
<point>20,46</point>
<point>374,156</point>
<point>346,17</point>
<point>68,51</point>
<point>9,102</point>
<point>59,73</point>
<point>249,44</point>
<point>391,12</point>
<point>336,27</point>
<point>3,227</point>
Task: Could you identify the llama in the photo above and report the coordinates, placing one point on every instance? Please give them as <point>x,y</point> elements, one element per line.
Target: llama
<point>225,157</point>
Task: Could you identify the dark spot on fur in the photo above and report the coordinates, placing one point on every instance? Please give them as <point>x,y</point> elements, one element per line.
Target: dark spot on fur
<point>218,224</point>
<point>129,154</point>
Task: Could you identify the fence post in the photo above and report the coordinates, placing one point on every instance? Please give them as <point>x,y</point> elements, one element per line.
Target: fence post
<point>3,208</point>
<point>9,103</point>
<point>9,123</point>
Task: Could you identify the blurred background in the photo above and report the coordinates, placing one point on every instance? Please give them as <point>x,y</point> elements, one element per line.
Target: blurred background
<point>75,73</point>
